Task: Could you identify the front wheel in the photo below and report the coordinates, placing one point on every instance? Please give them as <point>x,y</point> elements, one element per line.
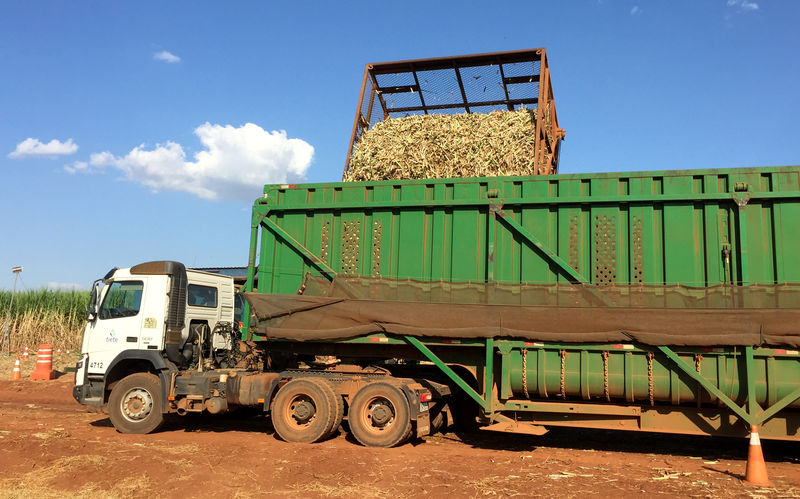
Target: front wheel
<point>135,404</point>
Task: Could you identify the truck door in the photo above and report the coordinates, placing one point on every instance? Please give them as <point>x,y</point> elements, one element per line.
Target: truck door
<point>118,325</point>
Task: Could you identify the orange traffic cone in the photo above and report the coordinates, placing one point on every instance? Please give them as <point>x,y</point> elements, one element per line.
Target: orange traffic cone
<point>15,373</point>
<point>44,363</point>
<point>756,471</point>
<point>58,351</point>
<point>25,354</point>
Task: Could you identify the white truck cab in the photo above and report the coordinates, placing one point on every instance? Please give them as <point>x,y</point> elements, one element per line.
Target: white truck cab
<point>156,317</point>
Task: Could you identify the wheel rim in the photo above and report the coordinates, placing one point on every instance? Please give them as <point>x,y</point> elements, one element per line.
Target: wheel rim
<point>300,412</point>
<point>136,405</point>
<point>378,415</point>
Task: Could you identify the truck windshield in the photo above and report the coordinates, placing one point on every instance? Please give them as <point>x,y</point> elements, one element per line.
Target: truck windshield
<point>123,299</point>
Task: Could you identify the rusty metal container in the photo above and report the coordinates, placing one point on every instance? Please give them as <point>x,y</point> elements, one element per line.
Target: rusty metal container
<point>479,83</point>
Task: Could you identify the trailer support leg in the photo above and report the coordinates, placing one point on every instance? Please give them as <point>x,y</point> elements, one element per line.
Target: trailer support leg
<point>488,376</point>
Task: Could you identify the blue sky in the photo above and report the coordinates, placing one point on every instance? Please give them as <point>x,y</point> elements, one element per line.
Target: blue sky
<point>132,92</point>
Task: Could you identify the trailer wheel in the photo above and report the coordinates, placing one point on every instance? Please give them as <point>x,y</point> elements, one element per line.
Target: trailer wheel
<point>379,416</point>
<point>336,401</point>
<point>302,411</point>
<point>135,404</point>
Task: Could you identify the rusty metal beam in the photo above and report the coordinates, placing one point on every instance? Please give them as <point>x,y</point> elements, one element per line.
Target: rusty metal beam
<point>463,61</point>
<point>461,87</point>
<point>416,81</point>
<point>503,80</point>
<point>511,102</point>
<point>399,89</point>
<point>512,80</point>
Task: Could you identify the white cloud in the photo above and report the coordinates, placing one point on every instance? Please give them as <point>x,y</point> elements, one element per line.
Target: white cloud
<point>101,159</point>
<point>235,163</point>
<point>77,166</point>
<point>167,57</point>
<point>65,286</point>
<point>743,5</point>
<point>34,147</point>
<point>636,10</point>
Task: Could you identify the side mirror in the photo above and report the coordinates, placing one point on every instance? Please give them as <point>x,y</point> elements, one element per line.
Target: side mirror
<point>91,310</point>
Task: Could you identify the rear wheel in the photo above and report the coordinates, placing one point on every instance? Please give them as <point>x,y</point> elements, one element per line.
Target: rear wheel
<point>336,401</point>
<point>379,416</point>
<point>302,411</point>
<point>135,404</point>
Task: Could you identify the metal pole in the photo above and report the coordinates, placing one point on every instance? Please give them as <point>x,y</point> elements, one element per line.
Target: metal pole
<point>6,340</point>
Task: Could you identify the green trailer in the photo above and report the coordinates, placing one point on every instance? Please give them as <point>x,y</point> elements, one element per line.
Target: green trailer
<point>658,301</point>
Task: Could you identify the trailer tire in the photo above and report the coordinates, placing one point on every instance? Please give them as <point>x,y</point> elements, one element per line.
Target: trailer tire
<point>302,411</point>
<point>379,416</point>
<point>135,404</point>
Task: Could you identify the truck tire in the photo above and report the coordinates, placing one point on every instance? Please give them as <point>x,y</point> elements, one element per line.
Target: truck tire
<point>135,404</point>
<point>336,401</point>
<point>302,411</point>
<point>379,416</point>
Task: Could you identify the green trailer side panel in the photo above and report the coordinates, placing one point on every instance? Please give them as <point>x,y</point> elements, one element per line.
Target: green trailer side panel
<point>694,228</point>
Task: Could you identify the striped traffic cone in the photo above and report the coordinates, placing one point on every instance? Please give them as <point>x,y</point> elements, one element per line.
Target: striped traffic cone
<point>25,354</point>
<point>58,351</point>
<point>16,374</point>
<point>756,470</point>
<point>44,363</point>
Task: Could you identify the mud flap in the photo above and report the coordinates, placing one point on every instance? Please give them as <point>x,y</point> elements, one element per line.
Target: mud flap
<point>423,424</point>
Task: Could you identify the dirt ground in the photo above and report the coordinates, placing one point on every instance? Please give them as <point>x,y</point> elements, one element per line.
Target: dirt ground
<point>50,446</point>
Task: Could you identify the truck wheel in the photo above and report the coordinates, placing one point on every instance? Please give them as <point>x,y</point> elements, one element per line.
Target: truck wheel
<point>379,416</point>
<point>336,401</point>
<point>135,404</point>
<point>302,411</point>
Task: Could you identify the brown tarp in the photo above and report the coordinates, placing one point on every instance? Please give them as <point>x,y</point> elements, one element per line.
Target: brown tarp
<point>670,316</point>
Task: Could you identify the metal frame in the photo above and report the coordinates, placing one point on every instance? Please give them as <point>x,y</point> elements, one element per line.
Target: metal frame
<point>424,203</point>
<point>544,99</point>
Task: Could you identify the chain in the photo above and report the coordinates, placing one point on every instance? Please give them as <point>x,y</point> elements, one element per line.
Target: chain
<point>650,377</point>
<point>563,386</point>
<point>605,376</point>
<point>525,373</point>
<point>698,359</point>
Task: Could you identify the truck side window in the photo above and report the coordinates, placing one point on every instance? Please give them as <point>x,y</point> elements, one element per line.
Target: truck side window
<point>123,299</point>
<point>202,296</point>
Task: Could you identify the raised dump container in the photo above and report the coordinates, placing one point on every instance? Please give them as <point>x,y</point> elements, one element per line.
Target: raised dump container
<point>490,114</point>
<point>663,301</point>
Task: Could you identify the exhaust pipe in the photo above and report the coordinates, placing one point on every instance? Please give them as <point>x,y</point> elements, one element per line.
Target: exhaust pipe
<point>176,313</point>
